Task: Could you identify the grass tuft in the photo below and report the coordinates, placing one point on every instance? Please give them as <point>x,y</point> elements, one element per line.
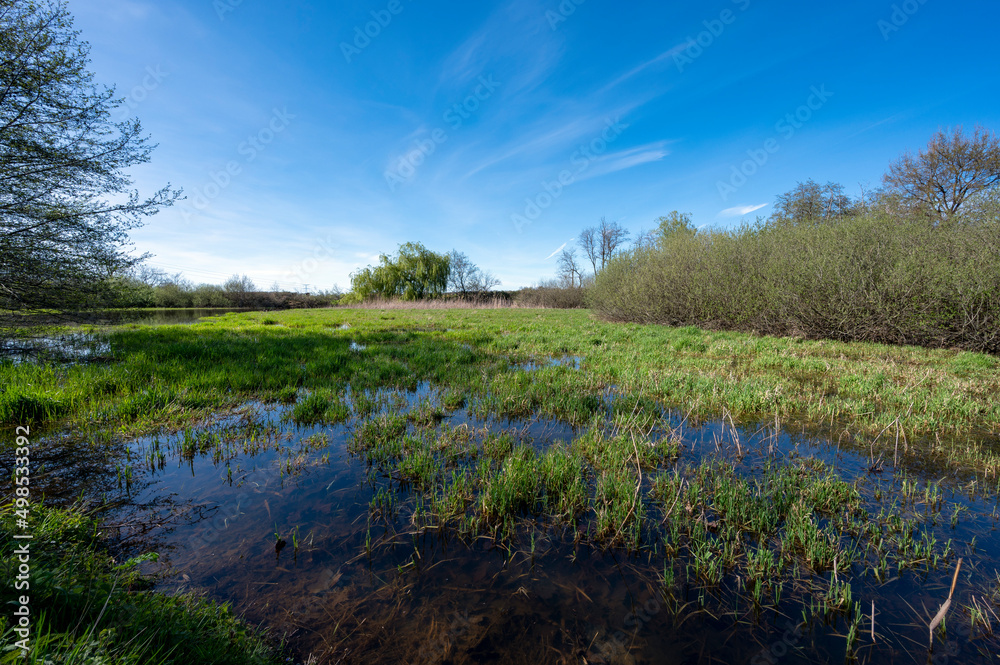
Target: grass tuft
<point>97,611</point>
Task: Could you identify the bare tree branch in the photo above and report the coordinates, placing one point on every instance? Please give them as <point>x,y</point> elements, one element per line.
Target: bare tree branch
<point>941,178</point>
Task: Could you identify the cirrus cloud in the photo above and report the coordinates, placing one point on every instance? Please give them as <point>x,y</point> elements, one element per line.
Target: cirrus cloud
<point>739,211</point>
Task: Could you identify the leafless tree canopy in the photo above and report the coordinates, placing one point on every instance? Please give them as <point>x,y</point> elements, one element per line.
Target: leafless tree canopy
<point>590,244</point>
<point>483,281</point>
<point>953,167</point>
<point>466,277</point>
<point>151,276</point>
<point>462,272</point>
<point>645,239</point>
<point>569,269</point>
<point>812,203</point>
<point>613,236</point>
<point>238,289</point>
<point>601,242</point>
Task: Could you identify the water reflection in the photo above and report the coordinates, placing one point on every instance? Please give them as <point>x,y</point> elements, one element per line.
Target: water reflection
<point>78,346</point>
<point>66,347</point>
<point>356,587</point>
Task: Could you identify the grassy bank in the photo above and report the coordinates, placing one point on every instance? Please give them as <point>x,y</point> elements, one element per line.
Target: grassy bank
<point>88,607</point>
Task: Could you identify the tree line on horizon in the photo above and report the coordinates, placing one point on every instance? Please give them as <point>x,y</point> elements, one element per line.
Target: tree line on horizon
<point>955,172</point>
<point>146,286</point>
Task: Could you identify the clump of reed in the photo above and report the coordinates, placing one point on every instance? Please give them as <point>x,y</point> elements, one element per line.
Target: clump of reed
<point>322,406</point>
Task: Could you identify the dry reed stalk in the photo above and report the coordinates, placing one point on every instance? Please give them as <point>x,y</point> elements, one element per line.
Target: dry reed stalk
<point>939,617</point>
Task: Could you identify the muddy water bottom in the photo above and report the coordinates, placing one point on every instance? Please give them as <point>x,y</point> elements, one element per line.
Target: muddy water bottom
<point>285,531</point>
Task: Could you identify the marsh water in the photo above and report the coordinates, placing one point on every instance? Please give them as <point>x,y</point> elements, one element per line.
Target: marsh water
<point>72,345</point>
<point>287,532</point>
<point>149,316</point>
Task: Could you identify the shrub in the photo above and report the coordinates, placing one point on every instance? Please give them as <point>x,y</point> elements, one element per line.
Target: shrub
<point>552,295</point>
<point>872,278</point>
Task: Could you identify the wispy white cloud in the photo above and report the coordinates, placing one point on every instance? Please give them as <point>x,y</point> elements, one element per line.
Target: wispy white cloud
<point>563,133</point>
<point>123,11</point>
<point>557,134</point>
<point>669,53</point>
<point>626,159</point>
<point>498,46</point>
<point>739,211</point>
<point>559,249</point>
<point>892,118</point>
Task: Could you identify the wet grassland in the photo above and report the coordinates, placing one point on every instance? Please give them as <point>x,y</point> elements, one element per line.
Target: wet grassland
<point>537,486</point>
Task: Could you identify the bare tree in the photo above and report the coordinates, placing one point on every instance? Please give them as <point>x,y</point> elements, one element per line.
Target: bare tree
<point>149,275</point>
<point>812,203</point>
<point>612,236</point>
<point>590,244</point>
<point>483,281</point>
<point>462,272</point>
<point>466,277</point>
<point>953,168</point>
<point>601,242</point>
<point>569,269</point>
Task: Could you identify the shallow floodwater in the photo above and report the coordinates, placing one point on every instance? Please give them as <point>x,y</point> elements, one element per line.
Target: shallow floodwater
<point>286,533</point>
<point>64,346</point>
<point>79,346</point>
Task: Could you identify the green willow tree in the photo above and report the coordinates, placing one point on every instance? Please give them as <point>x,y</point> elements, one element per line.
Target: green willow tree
<point>414,273</point>
<point>66,203</point>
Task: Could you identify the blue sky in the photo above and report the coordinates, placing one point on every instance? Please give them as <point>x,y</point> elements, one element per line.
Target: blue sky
<point>311,136</point>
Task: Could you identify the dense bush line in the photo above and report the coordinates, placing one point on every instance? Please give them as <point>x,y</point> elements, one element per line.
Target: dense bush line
<point>207,295</point>
<point>177,292</point>
<point>872,276</point>
<point>552,295</point>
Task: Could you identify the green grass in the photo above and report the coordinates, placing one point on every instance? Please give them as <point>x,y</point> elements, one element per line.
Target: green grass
<point>175,370</point>
<point>620,482</point>
<point>515,489</point>
<point>562,475</point>
<point>172,376</point>
<point>91,608</point>
<point>323,406</point>
<point>618,509</point>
